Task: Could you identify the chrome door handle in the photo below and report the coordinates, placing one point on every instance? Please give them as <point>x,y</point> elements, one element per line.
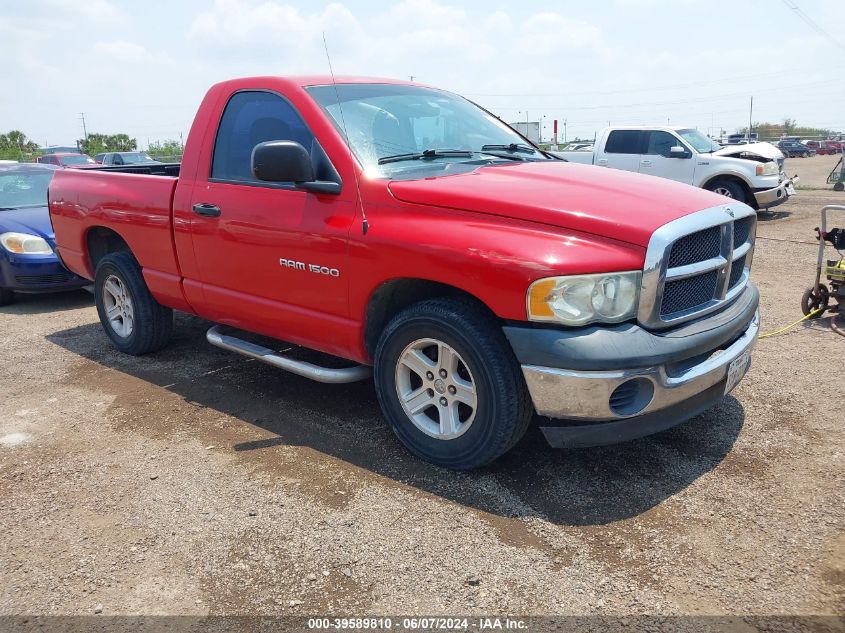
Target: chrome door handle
<point>647,163</point>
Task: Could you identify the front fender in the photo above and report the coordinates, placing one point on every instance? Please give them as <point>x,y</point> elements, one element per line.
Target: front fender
<point>494,259</point>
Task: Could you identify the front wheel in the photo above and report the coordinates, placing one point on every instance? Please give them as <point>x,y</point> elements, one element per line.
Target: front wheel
<point>728,188</point>
<point>134,321</point>
<point>449,384</point>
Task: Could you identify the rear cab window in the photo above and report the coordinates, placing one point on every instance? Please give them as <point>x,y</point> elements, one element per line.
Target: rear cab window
<point>624,142</point>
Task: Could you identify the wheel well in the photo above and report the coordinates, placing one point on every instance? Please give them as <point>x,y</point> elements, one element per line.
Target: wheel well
<point>750,200</point>
<point>101,242</point>
<point>396,295</point>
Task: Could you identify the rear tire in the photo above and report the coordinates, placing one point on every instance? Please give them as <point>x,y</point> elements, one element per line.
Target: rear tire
<point>134,321</point>
<point>728,188</point>
<point>6,297</point>
<point>461,356</point>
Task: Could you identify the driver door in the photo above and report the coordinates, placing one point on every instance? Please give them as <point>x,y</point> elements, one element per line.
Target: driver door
<point>256,243</point>
<point>658,160</point>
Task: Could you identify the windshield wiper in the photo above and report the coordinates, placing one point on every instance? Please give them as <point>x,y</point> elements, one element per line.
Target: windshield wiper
<point>513,147</point>
<point>425,154</point>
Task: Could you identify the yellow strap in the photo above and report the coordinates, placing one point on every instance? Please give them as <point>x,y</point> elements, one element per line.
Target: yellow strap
<point>784,329</point>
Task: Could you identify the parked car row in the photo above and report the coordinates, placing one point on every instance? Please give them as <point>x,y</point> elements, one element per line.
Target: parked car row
<point>791,149</point>
<point>76,159</point>
<point>824,147</point>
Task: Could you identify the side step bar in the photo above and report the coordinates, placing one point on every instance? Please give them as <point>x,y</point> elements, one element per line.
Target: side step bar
<point>301,368</point>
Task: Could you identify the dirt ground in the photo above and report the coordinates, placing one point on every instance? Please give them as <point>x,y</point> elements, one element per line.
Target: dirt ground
<point>194,481</point>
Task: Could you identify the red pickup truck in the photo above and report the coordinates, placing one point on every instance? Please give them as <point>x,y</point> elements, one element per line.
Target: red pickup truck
<point>410,232</point>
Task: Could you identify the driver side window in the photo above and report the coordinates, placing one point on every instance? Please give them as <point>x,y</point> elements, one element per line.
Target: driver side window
<point>250,118</point>
<point>660,143</point>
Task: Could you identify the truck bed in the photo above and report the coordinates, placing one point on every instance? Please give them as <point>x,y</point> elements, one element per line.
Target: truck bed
<point>161,169</point>
<point>129,203</point>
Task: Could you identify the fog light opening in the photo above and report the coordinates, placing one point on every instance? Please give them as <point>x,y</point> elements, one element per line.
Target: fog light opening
<point>632,396</point>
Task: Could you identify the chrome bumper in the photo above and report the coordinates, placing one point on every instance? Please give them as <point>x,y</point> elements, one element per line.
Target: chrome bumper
<point>778,195</point>
<point>586,395</point>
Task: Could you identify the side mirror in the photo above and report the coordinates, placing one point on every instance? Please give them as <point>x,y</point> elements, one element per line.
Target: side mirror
<point>288,161</point>
<point>678,151</point>
<point>282,161</point>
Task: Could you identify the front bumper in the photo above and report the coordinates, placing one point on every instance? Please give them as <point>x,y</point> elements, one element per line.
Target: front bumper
<point>768,198</point>
<point>627,382</point>
<point>31,274</point>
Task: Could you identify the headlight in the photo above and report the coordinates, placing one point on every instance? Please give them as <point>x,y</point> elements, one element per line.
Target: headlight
<point>582,299</point>
<point>23,243</point>
<point>768,169</point>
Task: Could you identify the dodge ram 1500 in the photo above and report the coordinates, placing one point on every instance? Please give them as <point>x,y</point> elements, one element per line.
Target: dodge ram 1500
<point>476,278</point>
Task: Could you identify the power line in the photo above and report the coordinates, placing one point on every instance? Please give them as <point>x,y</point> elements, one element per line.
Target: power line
<point>812,23</point>
<point>647,88</point>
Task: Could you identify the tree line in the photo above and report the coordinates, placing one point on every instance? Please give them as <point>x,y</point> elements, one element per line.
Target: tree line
<point>15,145</point>
<point>788,127</point>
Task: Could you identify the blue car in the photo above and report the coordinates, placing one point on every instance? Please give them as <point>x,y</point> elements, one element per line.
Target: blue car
<point>28,262</point>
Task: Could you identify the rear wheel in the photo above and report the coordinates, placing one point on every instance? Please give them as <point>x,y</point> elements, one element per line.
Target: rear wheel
<point>6,296</point>
<point>449,384</point>
<point>134,321</point>
<point>728,188</point>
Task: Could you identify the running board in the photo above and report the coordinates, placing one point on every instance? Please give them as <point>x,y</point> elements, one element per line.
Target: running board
<point>298,367</point>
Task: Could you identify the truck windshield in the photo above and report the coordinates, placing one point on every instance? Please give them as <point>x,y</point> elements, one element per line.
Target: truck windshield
<point>700,143</point>
<point>405,132</point>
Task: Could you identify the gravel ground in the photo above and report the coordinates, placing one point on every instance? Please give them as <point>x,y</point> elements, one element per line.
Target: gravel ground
<point>197,482</point>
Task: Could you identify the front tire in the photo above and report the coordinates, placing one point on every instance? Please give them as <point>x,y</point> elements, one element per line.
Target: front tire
<point>449,384</point>
<point>134,321</point>
<point>729,189</point>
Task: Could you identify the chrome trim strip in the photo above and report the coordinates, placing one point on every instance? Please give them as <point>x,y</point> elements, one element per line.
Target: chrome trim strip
<point>698,268</point>
<point>585,395</point>
<point>741,250</point>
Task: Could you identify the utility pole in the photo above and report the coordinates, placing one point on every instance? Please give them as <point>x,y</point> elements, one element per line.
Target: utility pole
<point>84,129</point>
<point>750,113</point>
<point>564,130</point>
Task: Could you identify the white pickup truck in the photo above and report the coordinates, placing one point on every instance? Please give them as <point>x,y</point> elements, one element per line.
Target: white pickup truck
<point>752,174</point>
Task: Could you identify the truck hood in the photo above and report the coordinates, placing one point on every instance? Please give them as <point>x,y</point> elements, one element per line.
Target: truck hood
<point>32,220</point>
<point>608,202</point>
<point>761,150</point>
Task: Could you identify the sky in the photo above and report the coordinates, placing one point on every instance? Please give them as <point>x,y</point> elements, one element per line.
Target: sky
<point>143,67</point>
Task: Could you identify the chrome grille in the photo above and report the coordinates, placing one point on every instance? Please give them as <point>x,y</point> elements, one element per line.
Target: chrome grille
<point>696,264</point>
<point>742,228</point>
<point>736,272</point>
<point>696,247</point>
<point>688,293</point>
